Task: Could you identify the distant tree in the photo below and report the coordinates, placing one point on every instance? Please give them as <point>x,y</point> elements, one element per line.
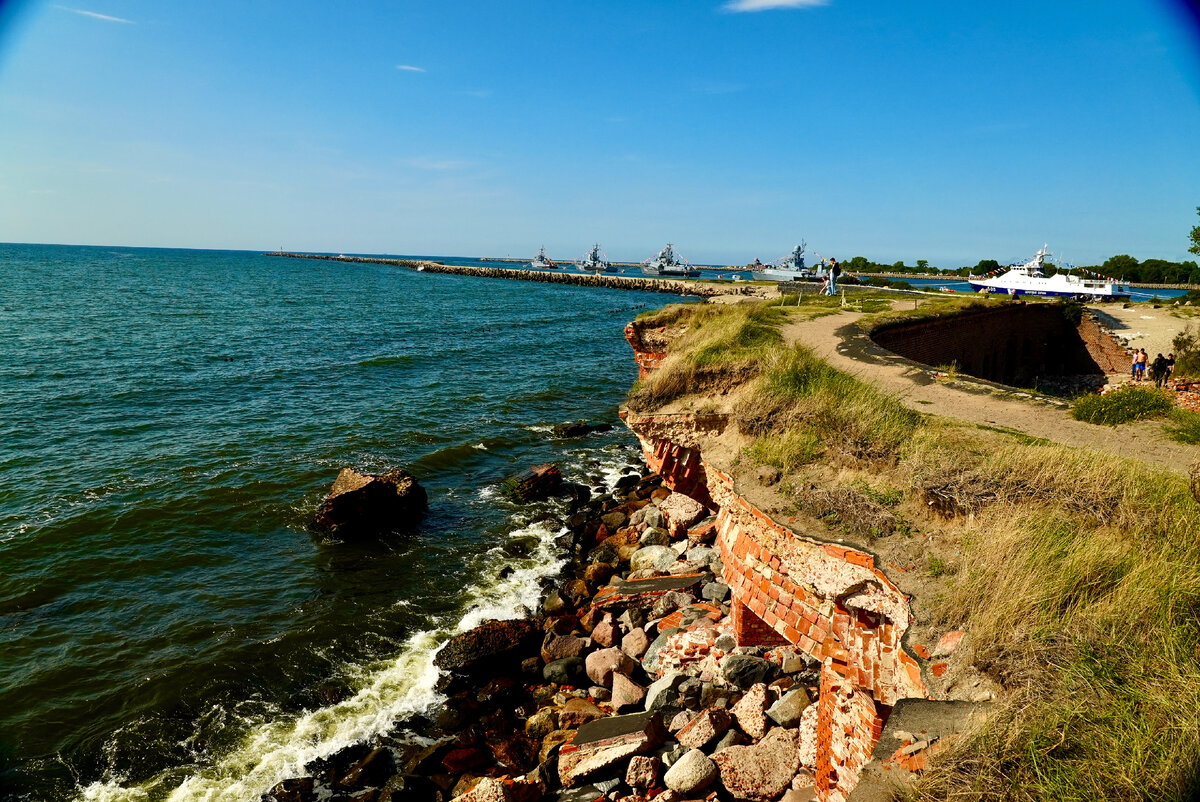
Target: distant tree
<point>987,266</point>
<point>1195,237</point>
<point>1122,266</point>
<point>858,264</point>
<point>923,265</point>
<point>899,267</point>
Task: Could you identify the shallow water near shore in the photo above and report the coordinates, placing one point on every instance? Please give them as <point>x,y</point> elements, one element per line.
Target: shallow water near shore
<point>170,420</point>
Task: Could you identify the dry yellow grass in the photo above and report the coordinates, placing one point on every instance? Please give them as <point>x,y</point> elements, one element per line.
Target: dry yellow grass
<point>1079,577</point>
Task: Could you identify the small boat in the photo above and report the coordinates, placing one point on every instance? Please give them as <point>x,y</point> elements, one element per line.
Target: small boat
<point>789,268</point>
<point>542,262</point>
<point>1029,278</point>
<point>666,263</point>
<point>596,262</point>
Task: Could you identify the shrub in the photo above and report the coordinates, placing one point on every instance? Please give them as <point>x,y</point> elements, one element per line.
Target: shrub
<point>1122,406</point>
<point>1187,352</point>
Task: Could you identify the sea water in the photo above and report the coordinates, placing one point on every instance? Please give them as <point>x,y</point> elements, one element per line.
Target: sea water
<point>170,420</point>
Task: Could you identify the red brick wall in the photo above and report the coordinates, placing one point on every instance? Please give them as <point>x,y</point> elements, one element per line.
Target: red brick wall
<point>828,600</point>
<point>646,360</point>
<point>1109,354</point>
<point>681,468</point>
<point>849,724</point>
<point>1013,344</point>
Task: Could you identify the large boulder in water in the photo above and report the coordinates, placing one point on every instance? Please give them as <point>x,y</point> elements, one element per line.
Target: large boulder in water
<point>578,429</point>
<point>489,642</point>
<point>537,483</point>
<point>361,504</point>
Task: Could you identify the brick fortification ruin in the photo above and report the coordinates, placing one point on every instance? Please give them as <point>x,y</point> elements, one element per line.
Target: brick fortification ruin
<point>1024,345</point>
<point>825,599</point>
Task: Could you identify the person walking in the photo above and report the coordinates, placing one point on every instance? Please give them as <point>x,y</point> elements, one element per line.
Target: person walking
<point>1170,365</point>
<point>1160,370</point>
<point>1143,359</point>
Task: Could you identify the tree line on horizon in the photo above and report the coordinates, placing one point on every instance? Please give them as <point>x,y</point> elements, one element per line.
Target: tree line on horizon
<point>1122,266</point>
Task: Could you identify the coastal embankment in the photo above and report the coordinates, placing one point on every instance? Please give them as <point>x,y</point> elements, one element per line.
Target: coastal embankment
<point>813,591</point>
<point>615,282</point>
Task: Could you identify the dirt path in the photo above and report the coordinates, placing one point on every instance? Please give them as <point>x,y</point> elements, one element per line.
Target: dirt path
<point>1143,440</point>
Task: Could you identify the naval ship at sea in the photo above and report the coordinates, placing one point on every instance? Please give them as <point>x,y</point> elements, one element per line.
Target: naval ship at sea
<point>789,268</point>
<point>666,263</point>
<point>596,262</point>
<point>542,261</point>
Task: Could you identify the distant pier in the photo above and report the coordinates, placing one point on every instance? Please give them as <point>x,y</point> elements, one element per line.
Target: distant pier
<point>604,280</point>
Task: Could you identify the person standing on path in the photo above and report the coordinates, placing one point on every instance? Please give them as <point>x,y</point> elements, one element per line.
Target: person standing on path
<point>1142,359</point>
<point>1160,370</point>
<point>835,270</point>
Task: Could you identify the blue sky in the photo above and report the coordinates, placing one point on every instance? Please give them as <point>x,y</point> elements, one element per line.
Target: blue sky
<point>946,131</point>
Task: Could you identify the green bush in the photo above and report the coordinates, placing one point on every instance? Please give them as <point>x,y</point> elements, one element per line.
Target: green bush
<point>1122,406</point>
<point>1187,352</point>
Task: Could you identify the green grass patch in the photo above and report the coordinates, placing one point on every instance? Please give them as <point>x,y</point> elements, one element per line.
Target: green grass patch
<point>1122,406</point>
<point>799,400</point>
<point>721,347</point>
<point>1184,426</point>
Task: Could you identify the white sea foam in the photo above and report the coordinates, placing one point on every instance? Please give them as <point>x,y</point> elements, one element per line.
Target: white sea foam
<point>278,749</point>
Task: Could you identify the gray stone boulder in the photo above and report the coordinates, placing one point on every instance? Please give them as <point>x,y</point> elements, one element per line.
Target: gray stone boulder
<point>652,517</point>
<point>744,670</point>
<point>654,537</point>
<point>664,692</point>
<point>363,504</point>
<point>692,772</point>
<point>717,592</point>
<point>787,711</point>
<point>567,671</point>
<point>652,558</point>
<point>669,602</point>
<point>650,659</point>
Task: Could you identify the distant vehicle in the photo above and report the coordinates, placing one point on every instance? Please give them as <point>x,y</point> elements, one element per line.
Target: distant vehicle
<point>541,261</point>
<point>596,262</point>
<point>666,263</point>
<point>789,268</point>
<point>1029,278</point>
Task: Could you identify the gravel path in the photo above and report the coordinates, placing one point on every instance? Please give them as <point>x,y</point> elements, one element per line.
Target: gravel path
<point>1144,440</point>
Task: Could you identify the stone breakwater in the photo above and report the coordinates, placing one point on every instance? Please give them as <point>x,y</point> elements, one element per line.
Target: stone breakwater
<point>613,282</point>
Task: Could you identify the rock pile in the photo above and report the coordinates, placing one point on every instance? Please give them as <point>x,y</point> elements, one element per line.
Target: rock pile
<point>626,685</point>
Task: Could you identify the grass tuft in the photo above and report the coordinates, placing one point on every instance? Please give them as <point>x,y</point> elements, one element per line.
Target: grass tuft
<point>1122,406</point>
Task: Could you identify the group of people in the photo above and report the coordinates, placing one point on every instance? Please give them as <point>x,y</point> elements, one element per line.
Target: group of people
<point>829,282</point>
<point>1160,369</point>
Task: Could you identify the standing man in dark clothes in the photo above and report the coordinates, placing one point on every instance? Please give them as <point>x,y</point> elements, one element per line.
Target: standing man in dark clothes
<point>1159,366</point>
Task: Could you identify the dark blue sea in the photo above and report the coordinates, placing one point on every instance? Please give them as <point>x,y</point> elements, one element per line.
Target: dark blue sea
<point>169,421</point>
